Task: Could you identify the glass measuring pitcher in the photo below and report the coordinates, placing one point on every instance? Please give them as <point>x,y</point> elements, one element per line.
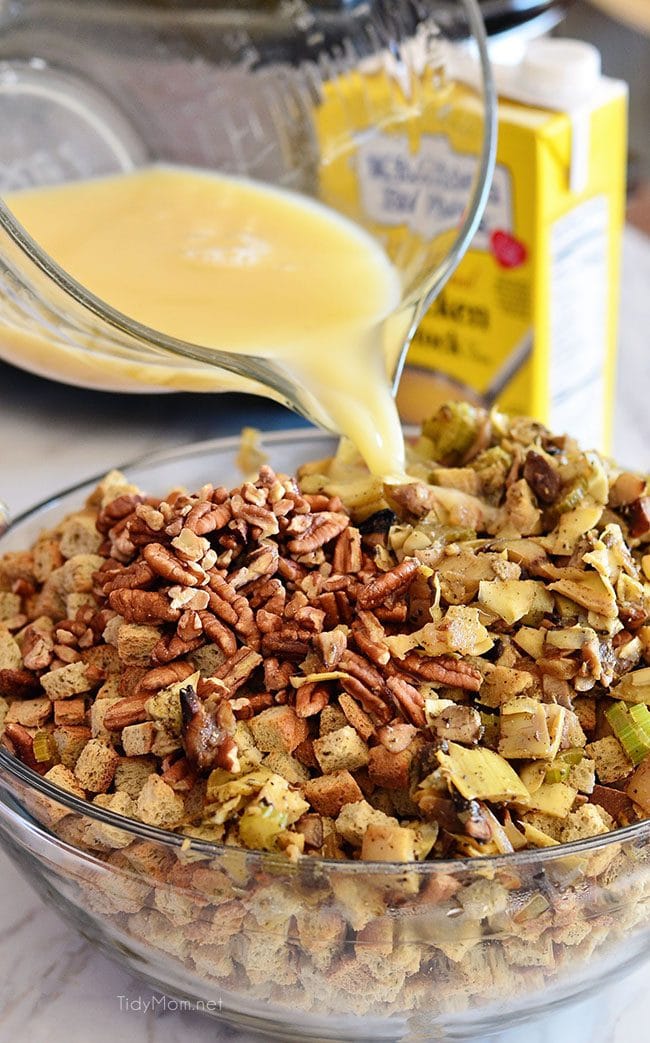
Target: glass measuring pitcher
<point>345,102</point>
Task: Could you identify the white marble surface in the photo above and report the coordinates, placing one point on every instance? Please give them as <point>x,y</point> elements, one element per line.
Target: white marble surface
<point>54,988</point>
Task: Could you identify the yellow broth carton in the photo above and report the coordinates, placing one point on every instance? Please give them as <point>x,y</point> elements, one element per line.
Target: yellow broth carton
<point>529,319</point>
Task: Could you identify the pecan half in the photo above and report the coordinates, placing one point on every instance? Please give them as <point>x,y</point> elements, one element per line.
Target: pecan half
<point>164,563</point>
<point>325,526</point>
<point>453,672</point>
<point>238,668</point>
<point>410,701</point>
<point>143,606</point>
<point>396,581</point>
<point>125,712</point>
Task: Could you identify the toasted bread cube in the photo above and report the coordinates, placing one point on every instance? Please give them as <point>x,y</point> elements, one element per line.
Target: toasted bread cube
<point>132,773</point>
<point>287,766</point>
<point>69,711</point>
<point>104,658</point>
<point>47,558</point>
<point>70,741</point>
<point>138,739</point>
<point>66,681</point>
<point>10,657</point>
<point>612,762</point>
<point>278,730</point>
<point>78,535</point>
<point>330,793</point>
<point>96,766</point>
<point>111,836</point>
<point>75,601</point>
<point>391,770</point>
<point>638,788</point>
<point>354,819</point>
<point>9,604</point>
<point>63,777</point>
<point>331,719</point>
<point>31,713</point>
<point>135,643</point>
<point>588,821</point>
<point>158,805</point>
<point>341,750</point>
<point>110,689</point>
<point>98,711</point>
<point>355,716</point>
<point>76,575</point>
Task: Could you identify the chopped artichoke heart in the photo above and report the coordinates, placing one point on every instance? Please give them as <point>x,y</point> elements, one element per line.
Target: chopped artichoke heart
<point>480,774</point>
<point>552,798</point>
<point>260,825</point>
<point>571,527</point>
<point>241,787</point>
<point>434,707</point>
<point>570,638</point>
<point>588,589</point>
<point>298,680</point>
<point>537,837</point>
<point>533,775</point>
<point>512,599</point>
<point>530,730</point>
<point>460,630</point>
<point>633,687</point>
<point>531,641</point>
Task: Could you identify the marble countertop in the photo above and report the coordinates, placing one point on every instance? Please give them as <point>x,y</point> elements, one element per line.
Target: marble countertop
<point>54,986</point>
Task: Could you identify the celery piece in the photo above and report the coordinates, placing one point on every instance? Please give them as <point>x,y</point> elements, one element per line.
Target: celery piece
<point>632,729</point>
<point>42,747</point>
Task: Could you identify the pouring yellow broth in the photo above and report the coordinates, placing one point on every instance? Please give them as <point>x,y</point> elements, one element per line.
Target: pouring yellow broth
<point>238,266</point>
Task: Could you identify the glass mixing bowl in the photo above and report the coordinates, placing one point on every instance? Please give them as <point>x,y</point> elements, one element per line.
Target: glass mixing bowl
<point>345,101</point>
<point>324,949</point>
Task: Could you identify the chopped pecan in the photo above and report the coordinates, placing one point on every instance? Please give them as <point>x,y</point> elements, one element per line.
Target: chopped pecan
<point>23,746</point>
<point>125,712</point>
<point>311,698</point>
<point>173,647</point>
<point>164,676</point>
<point>218,633</point>
<point>347,551</point>
<point>143,606</point>
<point>38,649</point>
<point>410,701</point>
<point>395,581</point>
<point>453,672</point>
<point>117,510</point>
<point>325,526</point>
<point>18,684</point>
<point>205,518</point>
<point>164,563</point>
<point>238,668</point>
<point>331,644</point>
<point>289,648</point>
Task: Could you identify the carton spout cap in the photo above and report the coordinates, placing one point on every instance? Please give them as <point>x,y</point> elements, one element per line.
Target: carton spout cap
<point>562,72</point>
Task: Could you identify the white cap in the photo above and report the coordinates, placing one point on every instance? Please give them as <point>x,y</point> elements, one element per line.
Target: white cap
<point>561,73</point>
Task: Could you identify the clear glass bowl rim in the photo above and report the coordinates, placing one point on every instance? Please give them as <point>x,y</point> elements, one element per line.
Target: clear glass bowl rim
<point>637,832</point>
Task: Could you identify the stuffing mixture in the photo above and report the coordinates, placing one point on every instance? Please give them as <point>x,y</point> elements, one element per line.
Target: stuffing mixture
<point>323,665</point>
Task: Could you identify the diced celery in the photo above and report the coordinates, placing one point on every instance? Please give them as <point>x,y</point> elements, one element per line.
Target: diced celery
<point>631,726</point>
